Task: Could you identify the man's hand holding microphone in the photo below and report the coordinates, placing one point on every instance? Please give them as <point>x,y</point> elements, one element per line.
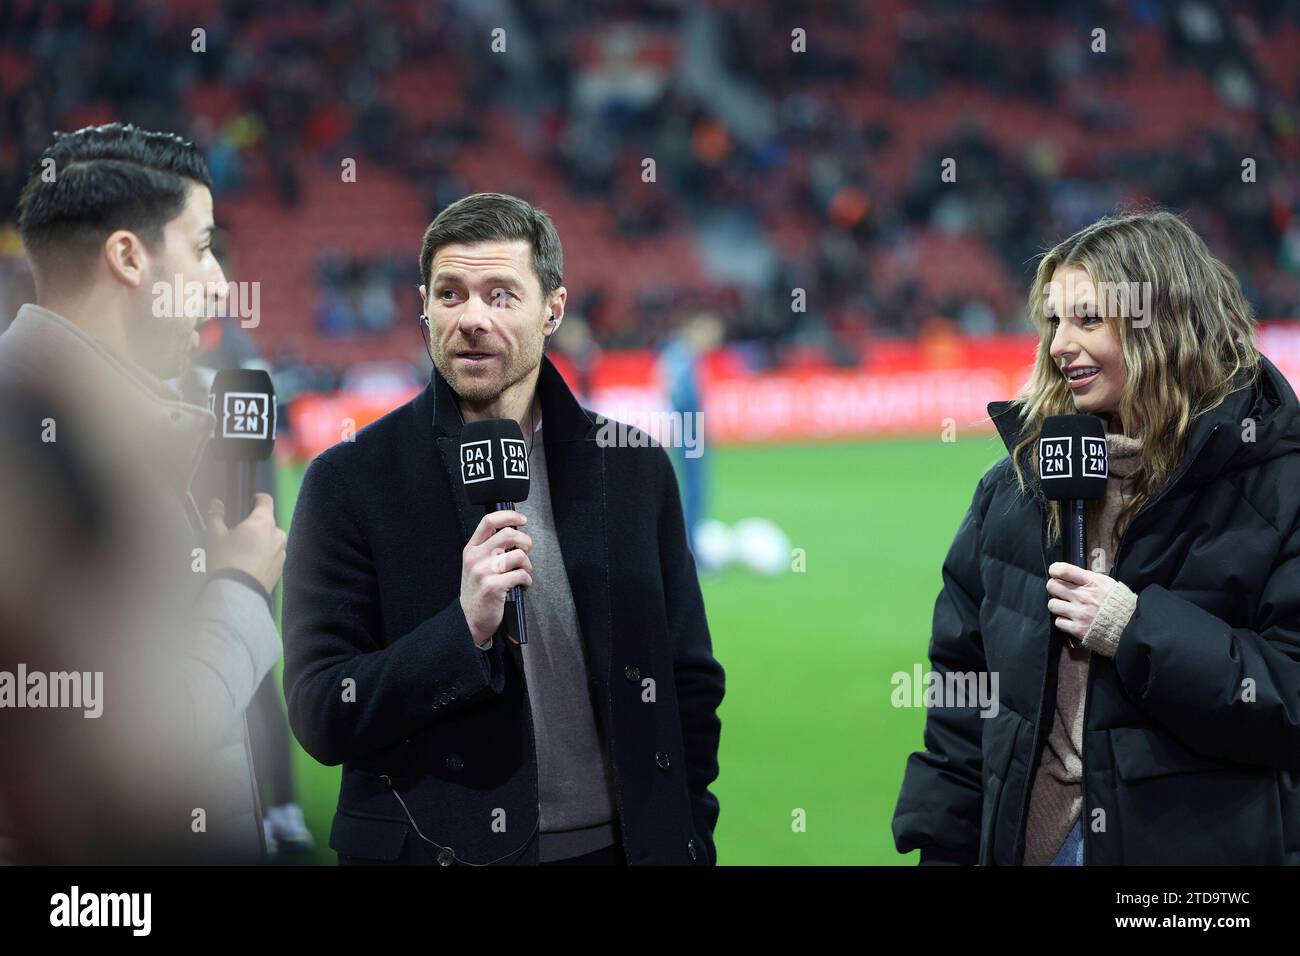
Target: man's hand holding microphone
<point>255,546</point>
<point>495,560</point>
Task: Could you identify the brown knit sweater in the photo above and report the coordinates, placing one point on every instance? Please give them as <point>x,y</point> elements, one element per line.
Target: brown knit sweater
<point>1056,799</point>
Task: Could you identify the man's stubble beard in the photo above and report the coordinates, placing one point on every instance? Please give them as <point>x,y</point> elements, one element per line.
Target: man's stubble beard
<point>485,390</point>
<point>162,346</point>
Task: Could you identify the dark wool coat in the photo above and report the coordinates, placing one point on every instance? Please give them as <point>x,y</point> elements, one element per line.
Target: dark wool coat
<point>372,585</point>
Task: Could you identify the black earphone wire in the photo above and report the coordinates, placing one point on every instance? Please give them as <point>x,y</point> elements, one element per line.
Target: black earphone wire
<point>515,852</point>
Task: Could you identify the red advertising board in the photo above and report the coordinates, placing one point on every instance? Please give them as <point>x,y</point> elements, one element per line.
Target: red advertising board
<point>906,387</point>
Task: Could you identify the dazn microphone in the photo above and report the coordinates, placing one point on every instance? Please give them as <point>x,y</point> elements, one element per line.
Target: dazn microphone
<point>1073,463</point>
<point>243,399</point>
<point>494,470</point>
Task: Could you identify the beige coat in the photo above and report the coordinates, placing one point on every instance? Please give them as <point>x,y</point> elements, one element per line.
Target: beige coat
<point>166,773</point>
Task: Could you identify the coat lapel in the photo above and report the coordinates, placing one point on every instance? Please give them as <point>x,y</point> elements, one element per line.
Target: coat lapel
<point>447,423</point>
<point>469,515</point>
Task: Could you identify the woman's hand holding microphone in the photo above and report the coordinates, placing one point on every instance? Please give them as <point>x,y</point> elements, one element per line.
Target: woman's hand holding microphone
<point>1076,595</point>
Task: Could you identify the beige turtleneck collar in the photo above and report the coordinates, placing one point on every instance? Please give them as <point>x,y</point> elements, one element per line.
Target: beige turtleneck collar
<point>1125,454</point>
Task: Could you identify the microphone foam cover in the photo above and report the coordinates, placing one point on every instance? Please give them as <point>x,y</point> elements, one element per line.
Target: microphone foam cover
<point>494,461</point>
<point>1073,459</point>
<point>243,399</point>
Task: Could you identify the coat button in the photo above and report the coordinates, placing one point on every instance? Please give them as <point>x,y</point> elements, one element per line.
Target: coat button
<point>632,672</point>
<point>690,848</point>
<point>661,758</point>
<point>446,856</point>
<point>454,762</point>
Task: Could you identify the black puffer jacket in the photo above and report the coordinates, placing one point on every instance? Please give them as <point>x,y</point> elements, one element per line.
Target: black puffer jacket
<point>1192,731</point>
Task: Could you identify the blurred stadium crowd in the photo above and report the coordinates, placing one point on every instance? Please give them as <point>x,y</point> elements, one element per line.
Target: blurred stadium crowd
<point>774,170</point>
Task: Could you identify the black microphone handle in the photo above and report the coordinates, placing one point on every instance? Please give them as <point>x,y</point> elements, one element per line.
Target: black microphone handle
<point>515,596</point>
<point>239,491</point>
<point>1076,540</point>
<point>239,505</point>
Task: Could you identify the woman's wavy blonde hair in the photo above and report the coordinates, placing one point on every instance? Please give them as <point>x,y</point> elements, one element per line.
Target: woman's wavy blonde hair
<point>1182,359</point>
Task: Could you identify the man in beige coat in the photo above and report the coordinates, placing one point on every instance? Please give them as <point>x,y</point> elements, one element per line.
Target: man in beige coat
<point>111,572</point>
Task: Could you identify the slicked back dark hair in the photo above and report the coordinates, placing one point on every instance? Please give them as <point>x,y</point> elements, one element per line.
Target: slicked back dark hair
<point>496,217</point>
<point>108,178</point>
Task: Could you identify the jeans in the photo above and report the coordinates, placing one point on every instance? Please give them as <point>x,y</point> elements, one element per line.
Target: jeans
<point>1071,851</point>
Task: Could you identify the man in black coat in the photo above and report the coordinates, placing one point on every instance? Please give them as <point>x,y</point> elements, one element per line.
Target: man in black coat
<point>594,742</point>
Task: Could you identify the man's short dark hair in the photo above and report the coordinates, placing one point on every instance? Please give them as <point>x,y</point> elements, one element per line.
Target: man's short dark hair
<point>107,178</point>
<point>496,217</point>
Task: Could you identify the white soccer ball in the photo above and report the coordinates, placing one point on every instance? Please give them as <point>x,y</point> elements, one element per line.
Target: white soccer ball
<point>714,545</point>
<point>761,546</point>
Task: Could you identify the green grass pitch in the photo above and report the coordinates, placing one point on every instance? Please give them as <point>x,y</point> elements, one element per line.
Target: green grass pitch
<point>807,723</point>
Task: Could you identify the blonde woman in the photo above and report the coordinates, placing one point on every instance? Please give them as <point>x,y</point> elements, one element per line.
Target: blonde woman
<point>1171,734</point>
